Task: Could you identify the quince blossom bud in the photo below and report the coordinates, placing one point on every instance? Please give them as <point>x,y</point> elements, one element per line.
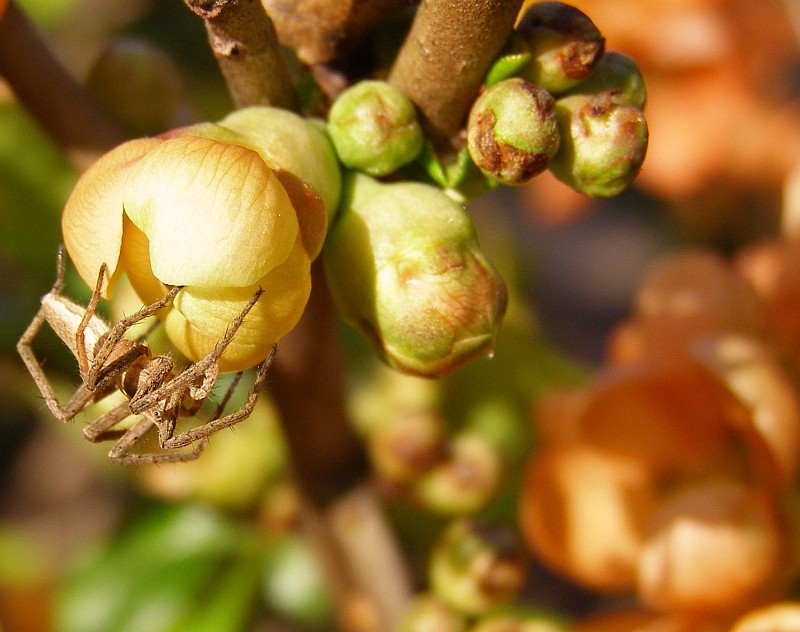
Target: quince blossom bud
<point>428,612</point>
<point>603,143</point>
<point>199,208</point>
<point>565,45</point>
<point>617,72</point>
<point>512,131</point>
<point>405,268</point>
<point>374,128</point>
<point>139,84</point>
<point>475,567</point>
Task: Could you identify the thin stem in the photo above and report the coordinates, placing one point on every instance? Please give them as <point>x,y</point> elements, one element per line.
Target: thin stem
<point>245,44</point>
<point>59,104</point>
<point>444,59</point>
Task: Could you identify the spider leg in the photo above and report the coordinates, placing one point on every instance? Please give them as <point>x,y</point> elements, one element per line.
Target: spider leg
<point>120,452</point>
<point>116,333</point>
<point>218,423</point>
<point>82,397</point>
<point>80,332</point>
<point>186,378</point>
<point>100,428</point>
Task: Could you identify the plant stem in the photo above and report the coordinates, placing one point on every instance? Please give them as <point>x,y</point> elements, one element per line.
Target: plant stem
<point>245,44</point>
<point>445,56</point>
<point>321,30</point>
<point>59,104</point>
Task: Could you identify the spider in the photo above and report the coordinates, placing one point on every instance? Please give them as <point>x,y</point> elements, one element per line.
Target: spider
<point>154,388</point>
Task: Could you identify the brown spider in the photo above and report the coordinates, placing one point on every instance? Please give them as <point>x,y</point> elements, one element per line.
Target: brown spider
<point>107,362</point>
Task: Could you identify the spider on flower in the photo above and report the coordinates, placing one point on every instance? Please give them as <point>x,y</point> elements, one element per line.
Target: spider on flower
<point>154,388</point>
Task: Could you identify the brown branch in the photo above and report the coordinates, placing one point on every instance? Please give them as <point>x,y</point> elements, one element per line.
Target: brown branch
<point>59,104</point>
<point>444,59</point>
<point>323,30</point>
<point>245,44</point>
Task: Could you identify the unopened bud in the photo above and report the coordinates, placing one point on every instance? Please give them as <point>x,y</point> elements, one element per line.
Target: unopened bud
<point>521,623</point>
<point>565,45</point>
<point>408,446</point>
<point>139,85</point>
<point>464,480</point>
<point>619,73</point>
<point>603,143</point>
<point>374,128</point>
<point>428,613</point>
<point>512,131</point>
<point>406,270</point>
<point>475,567</point>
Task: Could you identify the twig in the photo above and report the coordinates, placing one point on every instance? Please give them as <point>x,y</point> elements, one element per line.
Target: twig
<point>59,104</point>
<point>444,59</point>
<point>245,44</point>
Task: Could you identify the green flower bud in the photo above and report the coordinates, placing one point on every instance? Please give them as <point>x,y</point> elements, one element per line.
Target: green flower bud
<point>374,128</point>
<point>139,85</point>
<point>512,131</point>
<point>408,445</point>
<point>509,623</point>
<point>464,480</point>
<point>405,268</point>
<point>565,45</point>
<point>475,567</point>
<point>428,613</point>
<point>617,72</point>
<point>603,143</point>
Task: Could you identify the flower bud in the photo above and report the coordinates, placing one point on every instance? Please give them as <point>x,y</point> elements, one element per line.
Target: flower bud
<point>426,613</point>
<point>710,546</point>
<point>779,617</point>
<point>139,85</point>
<point>603,144</point>
<point>619,73</point>
<point>374,128</point>
<point>408,446</point>
<point>464,480</point>
<point>200,208</point>
<point>510,623</point>
<point>565,45</point>
<point>512,131</point>
<point>404,266</point>
<point>475,567</point>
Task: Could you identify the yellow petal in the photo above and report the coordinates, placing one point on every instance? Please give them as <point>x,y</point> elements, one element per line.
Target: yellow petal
<point>92,219</point>
<point>214,213</point>
<point>135,260</point>
<point>202,315</point>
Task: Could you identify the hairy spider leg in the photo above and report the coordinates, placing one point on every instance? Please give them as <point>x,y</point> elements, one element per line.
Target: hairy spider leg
<point>218,423</point>
<point>63,316</point>
<point>120,452</point>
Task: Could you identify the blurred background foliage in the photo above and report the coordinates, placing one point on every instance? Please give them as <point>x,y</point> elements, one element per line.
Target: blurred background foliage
<point>212,545</point>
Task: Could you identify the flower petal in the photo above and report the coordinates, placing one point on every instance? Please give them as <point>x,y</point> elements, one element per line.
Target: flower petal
<point>202,315</point>
<point>214,213</point>
<point>92,219</point>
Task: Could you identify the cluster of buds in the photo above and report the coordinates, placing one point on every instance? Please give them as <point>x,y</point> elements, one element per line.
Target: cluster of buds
<point>219,209</point>
<point>556,99</point>
<point>417,456</point>
<point>672,475</point>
